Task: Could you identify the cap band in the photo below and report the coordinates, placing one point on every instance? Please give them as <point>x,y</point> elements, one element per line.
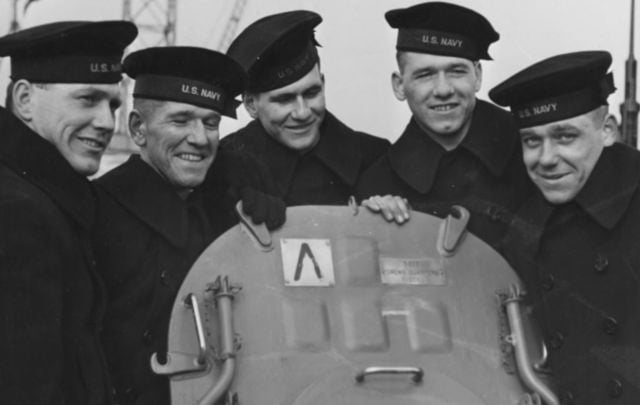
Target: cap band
<point>274,76</point>
<point>436,42</point>
<point>67,69</point>
<point>563,106</point>
<point>184,91</point>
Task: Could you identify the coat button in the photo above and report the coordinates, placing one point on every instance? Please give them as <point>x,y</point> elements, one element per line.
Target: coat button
<point>548,282</point>
<point>556,340</point>
<point>566,398</point>
<point>610,326</point>
<point>494,213</point>
<point>601,264</point>
<point>164,278</point>
<point>147,337</point>
<point>614,388</point>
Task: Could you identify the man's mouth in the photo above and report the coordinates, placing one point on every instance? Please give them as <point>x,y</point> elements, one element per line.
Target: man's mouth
<point>551,177</point>
<point>300,127</point>
<point>93,143</point>
<point>190,157</point>
<point>444,107</point>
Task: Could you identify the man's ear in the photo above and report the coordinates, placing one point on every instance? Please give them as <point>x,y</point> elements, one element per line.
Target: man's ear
<point>137,129</point>
<point>397,85</point>
<point>477,66</point>
<point>610,130</point>
<point>22,99</point>
<point>250,101</point>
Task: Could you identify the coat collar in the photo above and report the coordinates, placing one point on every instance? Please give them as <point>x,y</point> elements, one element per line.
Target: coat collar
<point>611,186</point>
<point>492,138</point>
<point>335,149</point>
<point>39,162</point>
<point>141,190</point>
<point>338,151</point>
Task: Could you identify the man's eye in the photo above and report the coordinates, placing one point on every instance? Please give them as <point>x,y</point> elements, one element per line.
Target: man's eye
<point>459,72</point>
<point>282,100</point>
<point>423,75</point>
<point>530,142</point>
<point>566,137</point>
<point>88,98</point>
<point>311,93</point>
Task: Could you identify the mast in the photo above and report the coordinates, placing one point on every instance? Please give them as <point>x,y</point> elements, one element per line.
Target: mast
<point>629,108</point>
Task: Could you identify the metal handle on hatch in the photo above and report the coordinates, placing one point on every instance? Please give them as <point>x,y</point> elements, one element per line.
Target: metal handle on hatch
<point>416,372</point>
<point>192,301</point>
<point>541,365</point>
<point>223,292</point>
<point>181,363</point>
<point>257,232</point>
<point>452,230</point>
<point>518,340</point>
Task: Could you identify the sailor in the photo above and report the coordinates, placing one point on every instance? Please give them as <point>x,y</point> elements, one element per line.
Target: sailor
<point>62,98</point>
<point>313,157</point>
<point>456,149</point>
<point>576,241</point>
<point>155,213</point>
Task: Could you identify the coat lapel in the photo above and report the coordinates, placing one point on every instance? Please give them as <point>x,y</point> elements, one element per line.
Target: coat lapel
<point>141,190</point>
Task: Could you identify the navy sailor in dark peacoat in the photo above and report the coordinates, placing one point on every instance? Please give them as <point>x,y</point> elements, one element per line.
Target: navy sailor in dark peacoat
<point>156,213</point>
<point>312,157</point>
<point>59,122</point>
<point>456,149</point>
<point>576,242</point>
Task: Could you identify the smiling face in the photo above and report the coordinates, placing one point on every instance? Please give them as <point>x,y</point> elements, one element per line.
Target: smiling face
<point>440,91</point>
<point>292,115</point>
<point>79,119</point>
<point>560,156</point>
<point>178,140</point>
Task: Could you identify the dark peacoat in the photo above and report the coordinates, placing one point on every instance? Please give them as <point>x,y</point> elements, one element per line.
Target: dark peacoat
<point>484,173</point>
<point>51,298</point>
<point>325,175</point>
<point>146,240</point>
<point>581,261</point>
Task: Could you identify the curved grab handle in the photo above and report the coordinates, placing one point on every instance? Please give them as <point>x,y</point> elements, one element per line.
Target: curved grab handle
<point>526,367</point>
<point>181,363</point>
<point>416,372</point>
<point>541,365</point>
<point>452,229</point>
<point>257,232</point>
<point>192,301</point>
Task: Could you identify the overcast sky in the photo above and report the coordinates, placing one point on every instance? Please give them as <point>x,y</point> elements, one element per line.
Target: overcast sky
<point>358,47</point>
